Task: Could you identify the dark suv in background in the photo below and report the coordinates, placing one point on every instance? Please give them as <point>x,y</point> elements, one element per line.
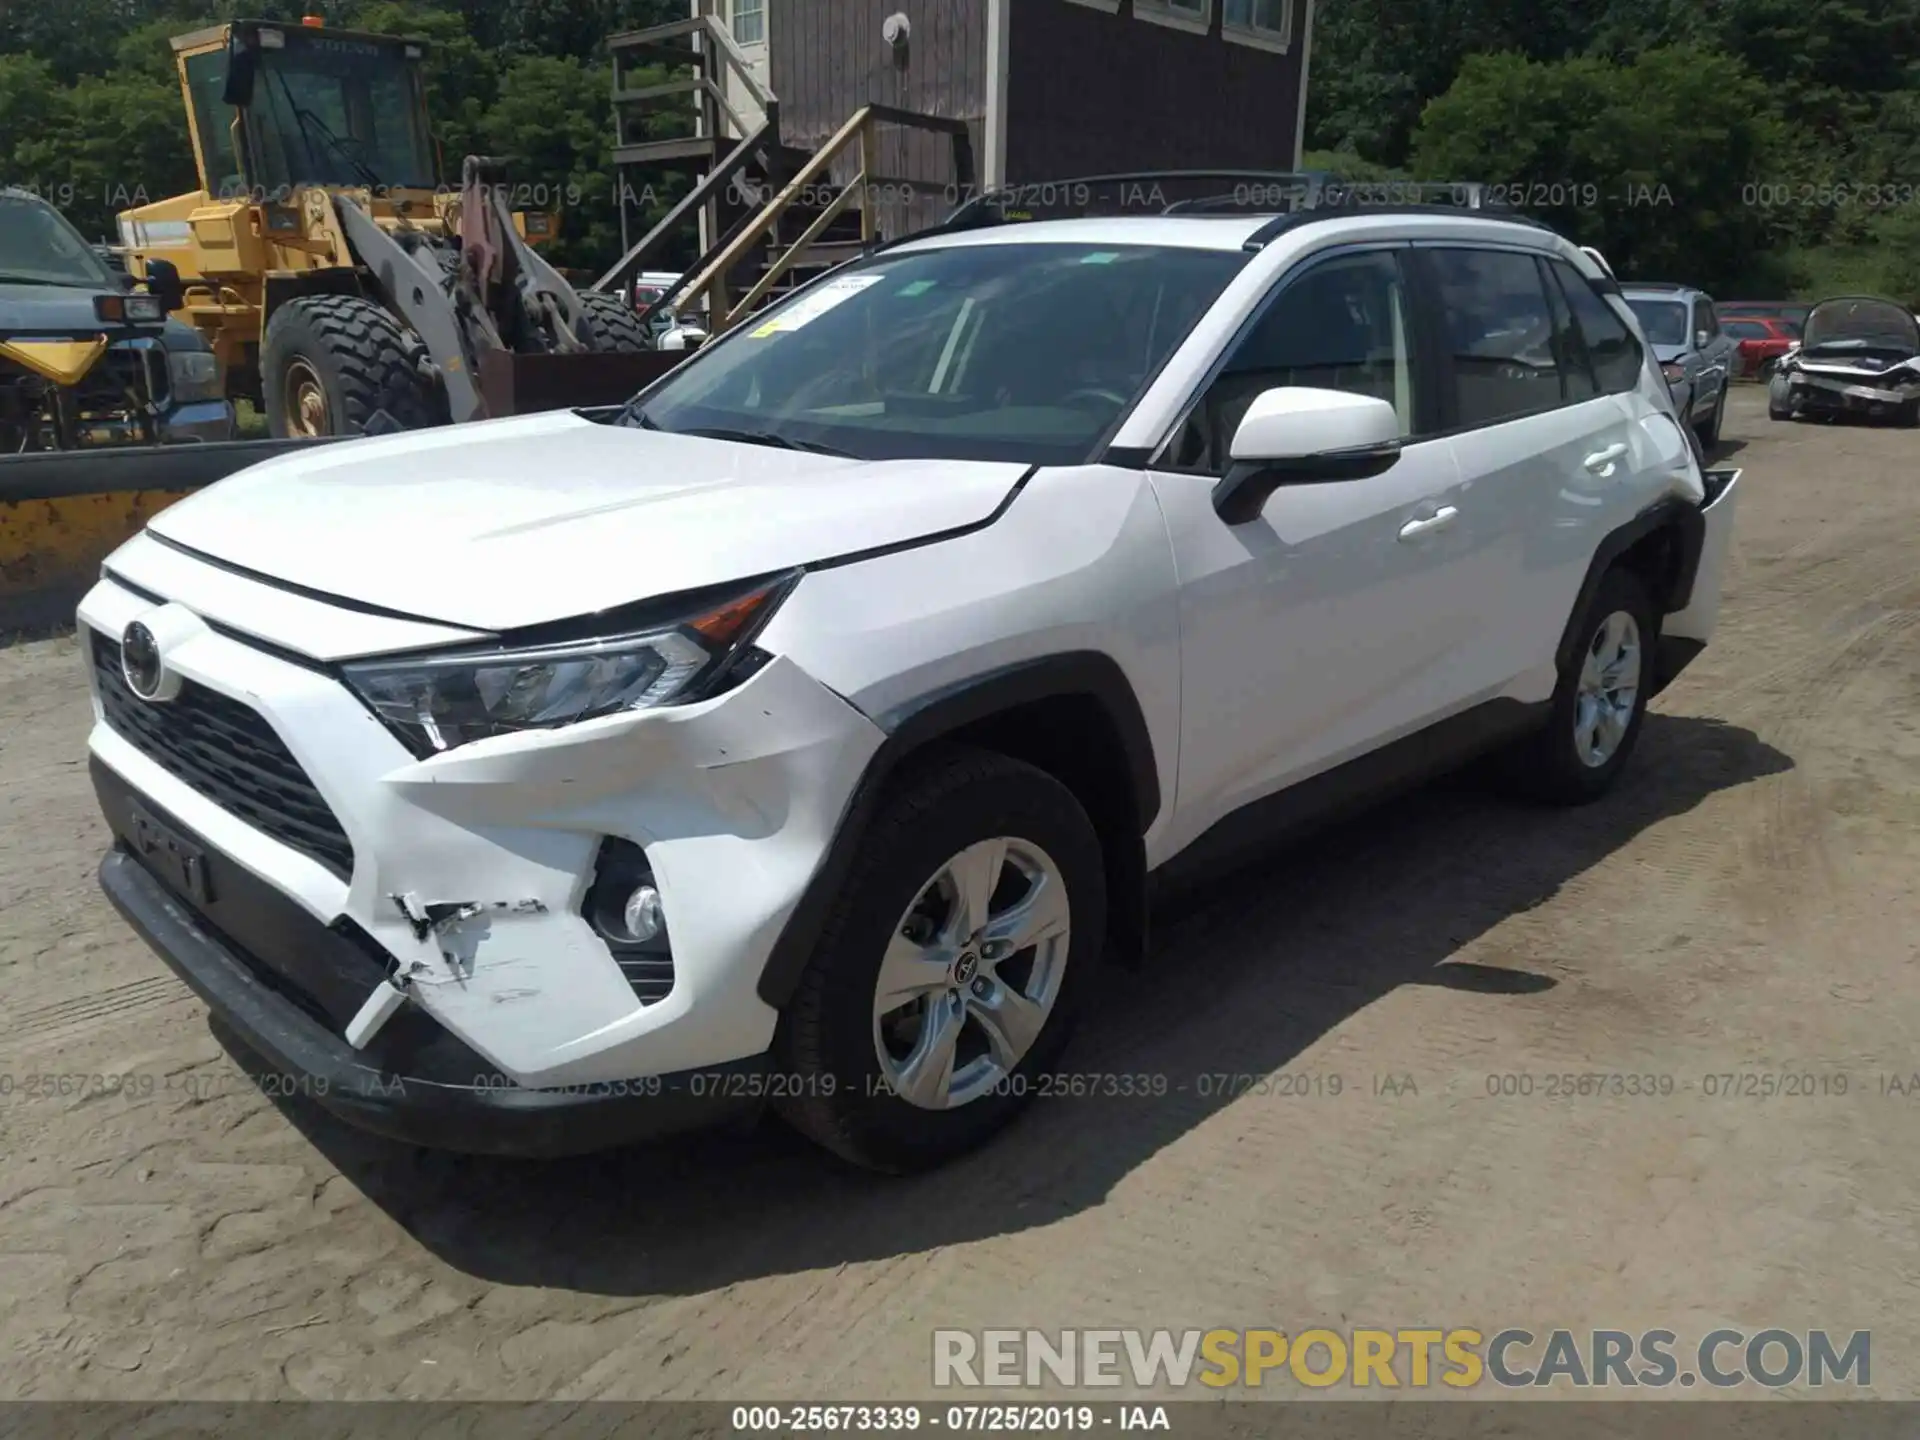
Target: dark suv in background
<point>1698,358</point>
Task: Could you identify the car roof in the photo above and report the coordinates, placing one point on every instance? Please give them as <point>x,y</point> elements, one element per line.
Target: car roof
<point>1661,288</point>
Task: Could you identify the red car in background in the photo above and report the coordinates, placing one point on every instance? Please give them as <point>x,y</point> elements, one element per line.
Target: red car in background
<point>1763,340</point>
<point>1791,311</point>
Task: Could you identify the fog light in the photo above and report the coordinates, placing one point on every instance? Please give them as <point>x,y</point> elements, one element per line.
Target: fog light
<point>623,906</point>
<point>641,915</point>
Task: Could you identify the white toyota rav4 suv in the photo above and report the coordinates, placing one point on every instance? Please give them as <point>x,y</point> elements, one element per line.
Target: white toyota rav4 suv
<point>812,730</point>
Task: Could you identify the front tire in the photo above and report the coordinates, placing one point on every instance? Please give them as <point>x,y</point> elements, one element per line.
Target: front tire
<point>331,363</point>
<point>1779,397</point>
<point>612,326</point>
<point>951,971</point>
<point>1600,703</point>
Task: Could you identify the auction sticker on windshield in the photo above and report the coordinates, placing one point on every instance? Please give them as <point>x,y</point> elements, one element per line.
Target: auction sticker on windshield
<point>805,312</point>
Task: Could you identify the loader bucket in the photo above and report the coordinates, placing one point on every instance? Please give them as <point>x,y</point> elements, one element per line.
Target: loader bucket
<point>513,384</point>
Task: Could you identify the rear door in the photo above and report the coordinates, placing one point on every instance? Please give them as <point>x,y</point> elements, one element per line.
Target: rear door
<point>1542,445</point>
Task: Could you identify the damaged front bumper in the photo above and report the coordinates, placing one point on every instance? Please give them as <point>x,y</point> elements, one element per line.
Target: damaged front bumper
<point>430,971</point>
<point>414,1082</point>
<point>1856,391</point>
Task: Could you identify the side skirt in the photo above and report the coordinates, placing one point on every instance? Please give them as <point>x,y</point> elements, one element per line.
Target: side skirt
<point>1344,791</point>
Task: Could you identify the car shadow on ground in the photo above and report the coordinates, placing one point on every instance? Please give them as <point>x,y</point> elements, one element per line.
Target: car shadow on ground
<point>1240,983</point>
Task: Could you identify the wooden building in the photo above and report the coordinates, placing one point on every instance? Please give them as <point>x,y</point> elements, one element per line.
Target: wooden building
<point>1053,88</point>
<point>1046,90</point>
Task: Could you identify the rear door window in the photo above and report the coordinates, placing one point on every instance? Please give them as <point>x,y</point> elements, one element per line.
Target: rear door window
<point>1499,335</point>
<point>1617,358</point>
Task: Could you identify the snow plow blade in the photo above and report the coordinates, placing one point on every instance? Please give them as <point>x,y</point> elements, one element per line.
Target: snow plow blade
<point>63,512</point>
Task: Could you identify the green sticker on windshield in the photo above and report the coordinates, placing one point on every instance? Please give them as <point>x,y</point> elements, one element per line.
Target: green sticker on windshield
<point>918,287</point>
<point>1100,257</point>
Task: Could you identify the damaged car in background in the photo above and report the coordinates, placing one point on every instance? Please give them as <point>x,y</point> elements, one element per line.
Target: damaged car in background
<point>84,359</point>
<point>1859,355</point>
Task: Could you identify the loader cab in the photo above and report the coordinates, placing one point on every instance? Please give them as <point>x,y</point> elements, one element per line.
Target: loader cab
<point>277,107</point>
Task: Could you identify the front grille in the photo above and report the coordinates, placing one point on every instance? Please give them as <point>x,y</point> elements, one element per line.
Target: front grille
<point>127,376</point>
<point>227,752</point>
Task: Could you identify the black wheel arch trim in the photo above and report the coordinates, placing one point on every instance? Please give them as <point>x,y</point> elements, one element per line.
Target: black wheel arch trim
<point>929,719</point>
<point>1689,524</point>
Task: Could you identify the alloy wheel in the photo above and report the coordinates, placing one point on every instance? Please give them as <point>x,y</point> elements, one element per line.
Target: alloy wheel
<point>972,973</point>
<point>1609,689</point>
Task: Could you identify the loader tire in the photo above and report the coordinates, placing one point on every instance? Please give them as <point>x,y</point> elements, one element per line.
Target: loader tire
<point>333,363</point>
<point>612,324</point>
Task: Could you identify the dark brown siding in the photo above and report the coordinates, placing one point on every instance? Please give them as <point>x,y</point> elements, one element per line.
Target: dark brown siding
<point>826,58</point>
<point>1091,93</point>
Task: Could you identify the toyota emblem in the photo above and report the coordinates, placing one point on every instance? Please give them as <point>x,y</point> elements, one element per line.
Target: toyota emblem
<point>140,661</point>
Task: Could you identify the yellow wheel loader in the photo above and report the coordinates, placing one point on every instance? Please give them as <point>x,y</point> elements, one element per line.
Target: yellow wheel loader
<point>343,288</point>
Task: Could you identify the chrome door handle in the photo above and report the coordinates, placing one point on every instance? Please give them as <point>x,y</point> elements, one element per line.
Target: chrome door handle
<point>1438,521</point>
<point>1601,461</point>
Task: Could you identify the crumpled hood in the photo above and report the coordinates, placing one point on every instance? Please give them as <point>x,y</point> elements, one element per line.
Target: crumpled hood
<point>1666,354</point>
<point>507,523</point>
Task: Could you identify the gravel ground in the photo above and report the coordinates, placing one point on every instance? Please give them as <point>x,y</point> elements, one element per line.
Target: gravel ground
<point>1744,905</point>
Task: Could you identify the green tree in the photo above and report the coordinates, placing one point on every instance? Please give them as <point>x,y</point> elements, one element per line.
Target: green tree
<point>553,124</point>
<point>33,106</point>
<point>1651,161</point>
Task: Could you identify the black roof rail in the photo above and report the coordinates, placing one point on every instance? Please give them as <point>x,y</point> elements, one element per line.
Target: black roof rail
<point>1291,197</point>
<point>1282,224</point>
<point>1141,191</point>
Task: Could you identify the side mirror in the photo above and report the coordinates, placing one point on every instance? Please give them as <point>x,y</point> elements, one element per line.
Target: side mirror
<point>1701,339</point>
<point>243,64</point>
<point>164,284</point>
<point>1300,436</point>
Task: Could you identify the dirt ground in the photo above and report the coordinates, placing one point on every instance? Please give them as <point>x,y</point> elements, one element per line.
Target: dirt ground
<point>1746,904</point>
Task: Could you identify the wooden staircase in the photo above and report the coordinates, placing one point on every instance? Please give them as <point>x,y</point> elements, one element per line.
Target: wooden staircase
<point>775,215</point>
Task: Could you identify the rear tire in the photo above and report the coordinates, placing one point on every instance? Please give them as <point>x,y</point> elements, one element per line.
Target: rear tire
<point>1599,704</point>
<point>612,325</point>
<point>331,363</point>
<point>847,1058</point>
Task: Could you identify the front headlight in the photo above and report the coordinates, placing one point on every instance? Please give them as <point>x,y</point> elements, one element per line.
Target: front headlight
<point>436,702</point>
<point>195,375</point>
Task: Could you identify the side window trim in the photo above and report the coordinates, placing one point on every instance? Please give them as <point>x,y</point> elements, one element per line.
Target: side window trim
<point>1422,392</point>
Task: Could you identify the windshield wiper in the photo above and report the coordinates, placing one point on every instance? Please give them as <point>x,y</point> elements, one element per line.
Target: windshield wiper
<point>308,122</point>
<point>768,438</point>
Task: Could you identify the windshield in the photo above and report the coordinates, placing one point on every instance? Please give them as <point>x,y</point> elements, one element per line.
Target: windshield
<point>333,110</point>
<point>1665,321</point>
<point>1018,351</point>
<point>1863,324</point>
<point>39,247</point>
